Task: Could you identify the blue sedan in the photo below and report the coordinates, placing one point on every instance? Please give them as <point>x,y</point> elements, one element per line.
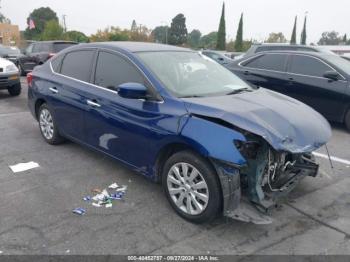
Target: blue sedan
<point>217,145</point>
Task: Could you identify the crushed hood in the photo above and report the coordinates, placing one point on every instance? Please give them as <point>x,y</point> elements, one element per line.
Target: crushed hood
<point>285,123</point>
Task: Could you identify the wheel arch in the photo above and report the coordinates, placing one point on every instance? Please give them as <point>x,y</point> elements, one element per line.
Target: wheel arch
<point>38,103</point>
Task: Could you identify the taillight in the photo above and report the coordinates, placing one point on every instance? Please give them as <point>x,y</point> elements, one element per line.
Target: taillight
<point>51,55</point>
<point>29,79</point>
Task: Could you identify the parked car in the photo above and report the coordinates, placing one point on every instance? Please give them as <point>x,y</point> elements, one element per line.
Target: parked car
<point>11,53</point>
<point>38,53</point>
<point>180,118</point>
<point>317,79</point>
<point>267,47</point>
<point>217,56</point>
<point>9,77</point>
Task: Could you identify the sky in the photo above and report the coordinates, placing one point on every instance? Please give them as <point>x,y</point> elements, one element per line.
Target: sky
<point>260,16</point>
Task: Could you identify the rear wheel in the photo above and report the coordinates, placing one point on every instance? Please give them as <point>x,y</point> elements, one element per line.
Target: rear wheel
<point>192,187</point>
<point>48,126</point>
<point>15,90</point>
<point>347,120</point>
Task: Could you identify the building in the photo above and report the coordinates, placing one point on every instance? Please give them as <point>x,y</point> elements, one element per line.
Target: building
<point>9,34</point>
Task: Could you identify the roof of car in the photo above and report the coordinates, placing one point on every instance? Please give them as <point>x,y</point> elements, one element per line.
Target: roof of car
<point>138,46</point>
<point>54,41</point>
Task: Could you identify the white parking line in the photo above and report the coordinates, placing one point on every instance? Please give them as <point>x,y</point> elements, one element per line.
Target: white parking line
<point>333,158</point>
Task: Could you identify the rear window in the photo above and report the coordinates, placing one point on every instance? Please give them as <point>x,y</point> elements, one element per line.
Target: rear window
<point>275,62</point>
<point>57,47</point>
<point>78,65</point>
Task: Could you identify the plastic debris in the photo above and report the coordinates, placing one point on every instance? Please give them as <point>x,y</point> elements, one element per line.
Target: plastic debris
<point>79,211</point>
<point>122,189</point>
<point>87,198</point>
<point>109,205</point>
<point>1,252</point>
<point>96,204</point>
<point>67,251</point>
<point>23,167</point>
<point>113,186</point>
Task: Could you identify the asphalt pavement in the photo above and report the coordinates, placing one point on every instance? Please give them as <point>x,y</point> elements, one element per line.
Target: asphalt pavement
<point>36,205</point>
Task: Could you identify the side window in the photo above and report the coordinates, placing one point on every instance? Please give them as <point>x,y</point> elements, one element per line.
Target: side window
<point>29,49</point>
<point>78,64</point>
<point>275,62</point>
<point>113,70</point>
<point>35,48</point>
<point>56,63</point>
<point>306,65</point>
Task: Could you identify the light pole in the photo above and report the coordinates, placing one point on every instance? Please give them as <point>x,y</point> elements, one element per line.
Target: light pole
<point>166,30</point>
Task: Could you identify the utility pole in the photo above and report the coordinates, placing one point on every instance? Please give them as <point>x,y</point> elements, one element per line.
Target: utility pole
<point>64,22</point>
<point>166,27</point>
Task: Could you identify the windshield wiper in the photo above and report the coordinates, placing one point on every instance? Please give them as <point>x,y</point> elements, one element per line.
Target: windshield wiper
<point>237,91</point>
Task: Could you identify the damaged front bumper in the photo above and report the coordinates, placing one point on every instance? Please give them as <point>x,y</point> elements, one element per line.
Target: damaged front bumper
<point>253,191</point>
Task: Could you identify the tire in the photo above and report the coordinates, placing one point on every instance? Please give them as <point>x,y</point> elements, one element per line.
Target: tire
<point>347,120</point>
<point>184,192</point>
<point>15,90</point>
<point>48,126</point>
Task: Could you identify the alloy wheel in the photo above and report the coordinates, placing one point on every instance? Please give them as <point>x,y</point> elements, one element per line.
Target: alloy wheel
<point>187,188</point>
<point>46,124</point>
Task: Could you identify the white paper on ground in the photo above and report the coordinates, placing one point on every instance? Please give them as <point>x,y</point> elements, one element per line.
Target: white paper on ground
<point>23,167</point>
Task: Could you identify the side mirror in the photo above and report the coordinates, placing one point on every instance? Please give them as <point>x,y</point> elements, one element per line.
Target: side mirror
<point>332,75</point>
<point>132,91</point>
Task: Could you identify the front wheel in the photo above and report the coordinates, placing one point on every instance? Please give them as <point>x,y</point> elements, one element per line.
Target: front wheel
<point>192,187</point>
<point>15,90</point>
<point>48,126</point>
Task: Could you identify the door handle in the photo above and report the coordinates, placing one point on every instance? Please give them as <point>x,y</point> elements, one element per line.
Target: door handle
<point>93,103</point>
<point>246,73</point>
<point>53,90</point>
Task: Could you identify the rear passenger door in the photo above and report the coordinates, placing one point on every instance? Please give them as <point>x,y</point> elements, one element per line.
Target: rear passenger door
<point>69,92</point>
<point>265,70</point>
<point>307,84</point>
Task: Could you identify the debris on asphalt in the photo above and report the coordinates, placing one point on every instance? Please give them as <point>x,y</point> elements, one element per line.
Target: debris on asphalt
<point>23,167</point>
<point>122,189</point>
<point>113,186</point>
<point>87,198</point>
<point>1,252</point>
<point>67,251</point>
<point>79,211</point>
<point>105,197</point>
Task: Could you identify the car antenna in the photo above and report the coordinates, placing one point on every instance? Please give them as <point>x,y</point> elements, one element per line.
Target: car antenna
<point>329,157</point>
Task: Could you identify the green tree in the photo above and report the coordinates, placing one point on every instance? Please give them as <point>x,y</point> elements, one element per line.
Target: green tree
<point>345,39</point>
<point>160,34</point>
<point>293,39</point>
<point>221,41</point>
<point>53,31</point>
<point>276,38</point>
<point>303,34</point>
<point>3,18</point>
<point>209,40</point>
<point>178,30</point>
<point>194,38</point>
<point>239,36</point>
<point>40,17</point>
<point>76,36</point>
<point>330,38</point>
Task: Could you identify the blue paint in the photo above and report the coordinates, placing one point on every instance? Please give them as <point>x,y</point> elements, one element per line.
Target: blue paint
<point>134,131</point>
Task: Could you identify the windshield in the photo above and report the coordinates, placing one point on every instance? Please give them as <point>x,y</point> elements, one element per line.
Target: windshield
<point>339,62</point>
<point>188,74</point>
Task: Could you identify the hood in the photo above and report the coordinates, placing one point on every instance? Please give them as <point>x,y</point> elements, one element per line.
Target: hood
<point>285,123</point>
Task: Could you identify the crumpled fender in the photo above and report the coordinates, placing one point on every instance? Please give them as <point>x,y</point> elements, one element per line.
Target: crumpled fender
<point>211,139</point>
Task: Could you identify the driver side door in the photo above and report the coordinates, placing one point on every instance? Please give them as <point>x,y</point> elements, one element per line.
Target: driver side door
<point>120,127</point>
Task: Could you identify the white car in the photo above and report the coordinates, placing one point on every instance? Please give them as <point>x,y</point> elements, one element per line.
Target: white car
<point>9,77</point>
